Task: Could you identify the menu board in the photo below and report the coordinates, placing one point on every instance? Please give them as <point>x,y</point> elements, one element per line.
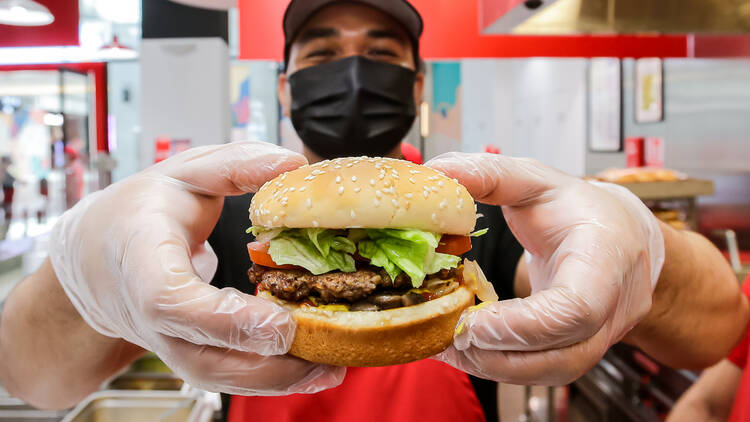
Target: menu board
<point>605,105</point>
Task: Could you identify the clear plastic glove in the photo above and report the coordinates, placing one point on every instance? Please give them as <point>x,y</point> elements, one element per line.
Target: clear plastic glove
<point>134,261</point>
<point>594,254</point>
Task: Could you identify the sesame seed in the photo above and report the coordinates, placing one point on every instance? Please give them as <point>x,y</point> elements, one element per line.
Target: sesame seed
<point>308,203</point>
<point>460,203</point>
<point>275,219</point>
<point>411,179</point>
<point>292,189</point>
<point>381,176</point>
<point>443,204</point>
<point>434,188</point>
<point>303,188</point>
<point>338,179</point>
<point>432,178</point>
<point>357,189</point>
<point>426,193</point>
<point>341,190</point>
<point>279,184</point>
<point>414,171</point>
<point>434,217</point>
<point>309,178</point>
<point>395,203</point>
<point>441,183</point>
<point>458,191</point>
<point>337,167</point>
<point>409,195</point>
<point>379,194</point>
<point>388,167</point>
<point>282,213</point>
<point>350,165</point>
<point>455,180</point>
<point>377,203</point>
<point>354,178</point>
<point>352,214</point>
<point>315,223</point>
<point>372,182</point>
<point>283,176</point>
<point>317,172</point>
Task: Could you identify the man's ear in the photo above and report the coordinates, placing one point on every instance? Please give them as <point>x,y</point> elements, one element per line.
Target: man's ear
<point>285,95</point>
<point>419,89</point>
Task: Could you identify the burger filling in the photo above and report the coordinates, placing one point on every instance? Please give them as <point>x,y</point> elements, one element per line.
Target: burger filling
<point>356,269</point>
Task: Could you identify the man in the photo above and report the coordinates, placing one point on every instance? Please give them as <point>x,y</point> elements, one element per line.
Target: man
<point>127,265</point>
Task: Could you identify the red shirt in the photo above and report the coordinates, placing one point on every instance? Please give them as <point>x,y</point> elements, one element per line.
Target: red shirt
<point>741,407</point>
<point>426,390</point>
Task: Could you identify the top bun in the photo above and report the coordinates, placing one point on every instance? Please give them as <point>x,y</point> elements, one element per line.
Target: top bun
<point>365,192</point>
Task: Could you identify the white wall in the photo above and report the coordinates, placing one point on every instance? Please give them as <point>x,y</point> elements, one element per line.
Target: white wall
<point>124,93</point>
<point>529,108</point>
<point>185,92</point>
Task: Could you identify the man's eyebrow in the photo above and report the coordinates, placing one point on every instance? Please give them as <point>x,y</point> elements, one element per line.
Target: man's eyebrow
<point>386,33</point>
<point>316,33</point>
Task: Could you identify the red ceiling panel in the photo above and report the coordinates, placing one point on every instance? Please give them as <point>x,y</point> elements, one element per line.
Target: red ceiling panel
<point>63,31</point>
<point>452,32</point>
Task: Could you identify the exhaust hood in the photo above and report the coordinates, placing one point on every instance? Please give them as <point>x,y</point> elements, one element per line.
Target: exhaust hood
<point>560,17</point>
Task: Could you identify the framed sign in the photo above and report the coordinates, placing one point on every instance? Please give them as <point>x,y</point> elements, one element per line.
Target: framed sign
<point>649,91</point>
<point>605,105</point>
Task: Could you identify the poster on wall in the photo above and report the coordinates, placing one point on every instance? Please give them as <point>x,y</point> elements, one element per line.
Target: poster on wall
<point>605,103</point>
<point>649,90</point>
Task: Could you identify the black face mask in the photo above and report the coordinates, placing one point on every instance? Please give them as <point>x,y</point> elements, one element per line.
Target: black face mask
<point>353,106</point>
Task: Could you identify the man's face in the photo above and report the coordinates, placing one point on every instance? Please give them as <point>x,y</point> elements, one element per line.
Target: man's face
<point>344,30</point>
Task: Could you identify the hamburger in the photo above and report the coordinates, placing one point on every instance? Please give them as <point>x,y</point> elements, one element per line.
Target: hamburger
<point>365,253</point>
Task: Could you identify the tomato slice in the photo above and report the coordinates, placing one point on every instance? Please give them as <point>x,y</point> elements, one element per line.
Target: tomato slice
<point>454,245</point>
<point>259,255</point>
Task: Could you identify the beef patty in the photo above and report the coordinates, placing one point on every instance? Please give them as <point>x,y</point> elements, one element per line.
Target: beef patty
<point>297,285</point>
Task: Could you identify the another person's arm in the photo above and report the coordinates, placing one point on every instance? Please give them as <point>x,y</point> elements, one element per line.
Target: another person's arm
<point>710,399</point>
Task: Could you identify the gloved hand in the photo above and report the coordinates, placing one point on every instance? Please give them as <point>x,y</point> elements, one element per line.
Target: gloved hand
<point>134,261</point>
<point>594,255</point>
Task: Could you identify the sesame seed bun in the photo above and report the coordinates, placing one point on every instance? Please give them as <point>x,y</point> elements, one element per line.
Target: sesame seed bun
<point>365,192</point>
<point>389,337</point>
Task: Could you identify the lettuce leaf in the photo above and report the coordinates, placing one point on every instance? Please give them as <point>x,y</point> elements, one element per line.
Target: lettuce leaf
<point>301,251</point>
<point>411,251</point>
<point>324,250</point>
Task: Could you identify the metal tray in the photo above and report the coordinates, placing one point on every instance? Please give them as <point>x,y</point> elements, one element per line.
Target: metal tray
<point>12,409</point>
<point>142,406</point>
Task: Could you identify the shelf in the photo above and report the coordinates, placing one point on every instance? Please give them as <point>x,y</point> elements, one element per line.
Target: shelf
<point>689,188</point>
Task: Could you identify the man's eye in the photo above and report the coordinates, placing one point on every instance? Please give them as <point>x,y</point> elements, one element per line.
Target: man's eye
<point>383,52</point>
<point>320,53</point>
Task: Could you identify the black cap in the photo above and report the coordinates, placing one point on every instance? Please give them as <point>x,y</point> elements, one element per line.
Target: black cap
<point>300,11</point>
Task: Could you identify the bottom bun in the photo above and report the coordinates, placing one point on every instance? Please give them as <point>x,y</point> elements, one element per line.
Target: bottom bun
<point>376,338</point>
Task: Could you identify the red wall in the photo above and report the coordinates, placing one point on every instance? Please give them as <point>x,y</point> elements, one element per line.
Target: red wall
<point>63,31</point>
<point>452,31</point>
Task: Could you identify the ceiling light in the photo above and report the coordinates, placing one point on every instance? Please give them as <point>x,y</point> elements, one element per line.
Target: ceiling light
<point>24,13</point>
<point>116,51</point>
